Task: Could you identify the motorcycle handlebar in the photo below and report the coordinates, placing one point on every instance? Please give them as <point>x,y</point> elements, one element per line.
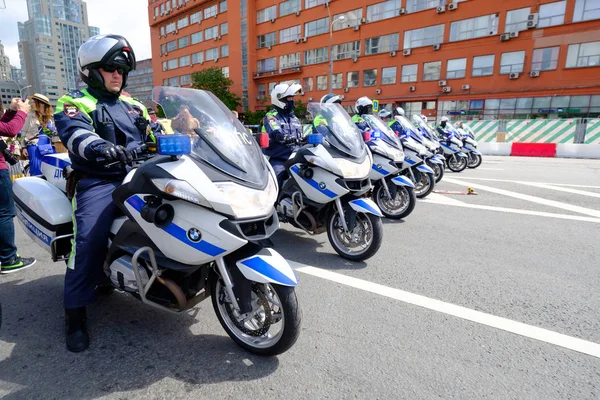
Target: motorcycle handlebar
<point>141,152</point>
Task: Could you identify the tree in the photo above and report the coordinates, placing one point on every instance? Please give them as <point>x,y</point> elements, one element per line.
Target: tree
<point>256,117</point>
<point>300,110</point>
<point>213,80</point>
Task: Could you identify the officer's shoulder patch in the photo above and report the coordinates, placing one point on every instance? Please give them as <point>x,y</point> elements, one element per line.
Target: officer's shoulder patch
<point>70,110</point>
<point>76,94</point>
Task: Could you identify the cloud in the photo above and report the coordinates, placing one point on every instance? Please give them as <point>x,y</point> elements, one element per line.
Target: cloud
<point>128,18</point>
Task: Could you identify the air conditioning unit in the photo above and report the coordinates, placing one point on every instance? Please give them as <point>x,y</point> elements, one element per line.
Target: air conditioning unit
<point>440,9</point>
<point>452,6</point>
<point>363,20</point>
<point>514,34</point>
<point>297,13</point>
<point>297,40</point>
<point>268,47</point>
<point>442,83</point>
<point>378,91</point>
<point>446,89</point>
<point>356,27</point>
<point>505,37</point>
<point>216,60</point>
<point>216,38</point>
<point>346,90</point>
<point>354,59</point>
<point>155,17</point>
<point>272,20</point>
<point>393,53</point>
<point>412,88</point>
<point>437,46</point>
<point>310,99</point>
<point>514,75</point>
<point>256,75</point>
<point>534,74</point>
<point>532,20</point>
<point>466,87</point>
<point>304,39</point>
<point>215,16</point>
<point>402,11</point>
<point>406,52</point>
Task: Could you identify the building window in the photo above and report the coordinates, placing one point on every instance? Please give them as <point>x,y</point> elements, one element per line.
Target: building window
<point>456,68</point>
<point>346,50</point>
<point>352,79</point>
<point>317,27</point>
<point>270,39</point>
<point>474,28</point>
<point>351,19</point>
<point>476,105</point>
<point>225,72</point>
<point>170,27</point>
<point>184,79</point>
<point>225,50</point>
<point>172,64</point>
<point>516,20</point>
<point>381,44</point>
<point>162,31</point>
<point>314,3</point>
<point>424,36</point>
<point>174,81</point>
<point>223,6</point>
<point>289,34</point>
<point>198,57</point>
<point>172,45</point>
<point>163,48</point>
<point>385,10</point>
<point>316,56</point>
<point>369,77</point>
<point>224,28</point>
<point>483,65</point>
<point>210,11</point>
<point>545,59</point>
<point>184,61</point>
<point>307,84</point>
<point>552,14</point>
<point>336,81</point>
<point>321,82</point>
<point>211,33</point>
<point>196,37</point>
<point>584,55</point>
<point>586,10</point>
<point>388,76</point>
<point>183,42</point>
<point>196,17</point>
<point>182,23</point>
<point>289,61</point>
<point>420,5</point>
<point>267,65</point>
<point>512,62</point>
<point>261,92</point>
<point>164,66</point>
<point>432,71</point>
<point>409,73</point>
<point>266,14</point>
<point>211,54</point>
<point>289,7</point>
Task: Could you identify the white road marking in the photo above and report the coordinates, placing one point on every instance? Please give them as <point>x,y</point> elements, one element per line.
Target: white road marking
<point>440,199</point>
<point>490,169</point>
<point>560,189</point>
<point>512,181</point>
<point>526,197</point>
<point>505,324</point>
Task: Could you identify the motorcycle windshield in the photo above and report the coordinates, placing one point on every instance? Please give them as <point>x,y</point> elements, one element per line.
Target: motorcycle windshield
<point>337,128</point>
<point>387,135</point>
<point>424,127</point>
<point>218,138</point>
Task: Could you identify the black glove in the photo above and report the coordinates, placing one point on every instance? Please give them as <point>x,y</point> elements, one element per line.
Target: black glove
<point>291,140</point>
<point>112,153</point>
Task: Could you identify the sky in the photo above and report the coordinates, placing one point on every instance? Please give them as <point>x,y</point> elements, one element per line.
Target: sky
<point>111,16</point>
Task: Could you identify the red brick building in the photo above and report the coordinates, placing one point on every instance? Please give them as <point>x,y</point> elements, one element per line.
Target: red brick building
<point>481,58</point>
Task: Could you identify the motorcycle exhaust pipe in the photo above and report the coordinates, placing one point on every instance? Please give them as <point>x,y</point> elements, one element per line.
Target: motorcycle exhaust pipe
<point>175,290</point>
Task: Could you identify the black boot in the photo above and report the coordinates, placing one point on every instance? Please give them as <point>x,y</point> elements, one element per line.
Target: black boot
<point>77,335</point>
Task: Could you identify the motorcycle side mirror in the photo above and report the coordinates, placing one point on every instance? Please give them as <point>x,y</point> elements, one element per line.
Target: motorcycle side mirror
<point>263,140</point>
<point>315,138</point>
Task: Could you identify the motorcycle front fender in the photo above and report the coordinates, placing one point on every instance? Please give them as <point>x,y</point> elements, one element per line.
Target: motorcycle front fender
<point>403,181</point>
<point>268,266</point>
<point>366,206</point>
<point>436,161</point>
<point>425,168</point>
<point>461,154</point>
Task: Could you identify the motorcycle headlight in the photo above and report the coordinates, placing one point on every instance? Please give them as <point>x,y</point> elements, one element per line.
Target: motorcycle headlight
<point>352,170</point>
<point>182,190</point>
<point>246,202</point>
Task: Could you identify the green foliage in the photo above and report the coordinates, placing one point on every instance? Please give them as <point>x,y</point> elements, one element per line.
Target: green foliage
<point>256,117</point>
<point>213,80</point>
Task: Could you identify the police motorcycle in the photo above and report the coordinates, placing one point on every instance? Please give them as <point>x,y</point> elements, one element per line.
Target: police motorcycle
<point>470,146</point>
<point>328,186</point>
<point>452,146</point>
<point>430,140</point>
<point>193,215</point>
<point>392,192</point>
<point>415,156</point>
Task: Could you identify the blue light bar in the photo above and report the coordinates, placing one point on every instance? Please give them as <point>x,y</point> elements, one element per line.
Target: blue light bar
<point>173,145</point>
<point>315,138</point>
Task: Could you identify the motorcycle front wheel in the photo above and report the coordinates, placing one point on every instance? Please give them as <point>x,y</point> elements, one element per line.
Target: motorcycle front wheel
<point>424,185</point>
<point>438,171</point>
<point>360,244</point>
<point>457,164</point>
<point>273,325</point>
<point>474,161</point>
<point>400,206</point>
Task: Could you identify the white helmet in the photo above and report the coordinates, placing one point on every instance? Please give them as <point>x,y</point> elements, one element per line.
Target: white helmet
<point>331,98</point>
<point>362,105</point>
<point>384,113</point>
<point>424,118</point>
<point>400,111</point>
<point>282,91</point>
<point>444,119</point>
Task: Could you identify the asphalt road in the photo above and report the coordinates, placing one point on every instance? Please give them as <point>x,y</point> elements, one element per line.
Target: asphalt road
<point>523,249</point>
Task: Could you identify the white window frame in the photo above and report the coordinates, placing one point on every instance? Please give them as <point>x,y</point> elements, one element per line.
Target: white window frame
<point>516,20</point>
<point>182,22</point>
<point>262,40</point>
<point>210,12</point>
<point>195,35</point>
<point>350,82</point>
<point>224,29</point>
<point>211,54</point>
<point>313,3</point>
<point>586,10</point>
<point>184,61</point>
<point>384,10</point>
<point>351,19</point>
<point>316,56</point>
<point>172,64</point>
<point>316,27</point>
<point>482,70</point>
<point>211,33</point>
<point>391,45</point>
<point>425,36</point>
<point>289,60</point>
<point>372,81</point>
<point>198,56</point>
<point>289,7</point>
<point>539,54</point>
<point>459,68</point>
<point>547,15</point>
<point>407,73</point>
<point>196,18</point>
<point>346,50</point>
<point>575,52</point>
<point>289,35</point>
<point>413,6</point>
<point>473,28</point>
<point>185,79</point>
<point>321,83</point>
<point>506,68</point>
<point>427,78</point>
<point>389,79</point>
<point>266,14</point>
<point>264,65</point>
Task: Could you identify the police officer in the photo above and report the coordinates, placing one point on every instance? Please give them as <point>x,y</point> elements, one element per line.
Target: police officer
<point>283,127</point>
<point>363,106</point>
<point>325,115</point>
<point>443,130</point>
<point>99,126</point>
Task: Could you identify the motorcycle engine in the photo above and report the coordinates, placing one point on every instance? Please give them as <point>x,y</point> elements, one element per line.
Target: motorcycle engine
<point>123,277</point>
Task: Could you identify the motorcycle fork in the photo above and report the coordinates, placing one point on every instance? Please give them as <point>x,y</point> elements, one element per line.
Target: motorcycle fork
<point>350,224</point>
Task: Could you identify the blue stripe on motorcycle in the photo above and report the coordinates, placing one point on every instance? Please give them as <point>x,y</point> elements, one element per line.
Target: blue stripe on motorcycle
<point>314,184</point>
<point>425,168</point>
<point>363,204</point>
<point>462,155</point>
<point>435,161</point>
<point>179,233</point>
<point>411,162</point>
<point>380,170</point>
<point>403,181</point>
<point>264,268</point>
<point>477,153</point>
<point>55,162</point>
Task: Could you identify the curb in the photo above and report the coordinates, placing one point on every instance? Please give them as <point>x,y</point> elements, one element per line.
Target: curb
<point>541,150</point>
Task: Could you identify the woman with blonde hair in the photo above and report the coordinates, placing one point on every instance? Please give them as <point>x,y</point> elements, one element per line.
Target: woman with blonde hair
<point>39,121</point>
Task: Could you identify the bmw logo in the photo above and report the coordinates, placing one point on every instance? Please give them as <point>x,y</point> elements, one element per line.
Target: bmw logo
<point>322,186</point>
<point>194,235</point>
<point>379,166</point>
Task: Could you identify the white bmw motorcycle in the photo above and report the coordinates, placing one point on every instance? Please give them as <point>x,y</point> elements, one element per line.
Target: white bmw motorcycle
<point>328,186</point>
<point>431,142</point>
<point>192,217</point>
<point>470,146</point>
